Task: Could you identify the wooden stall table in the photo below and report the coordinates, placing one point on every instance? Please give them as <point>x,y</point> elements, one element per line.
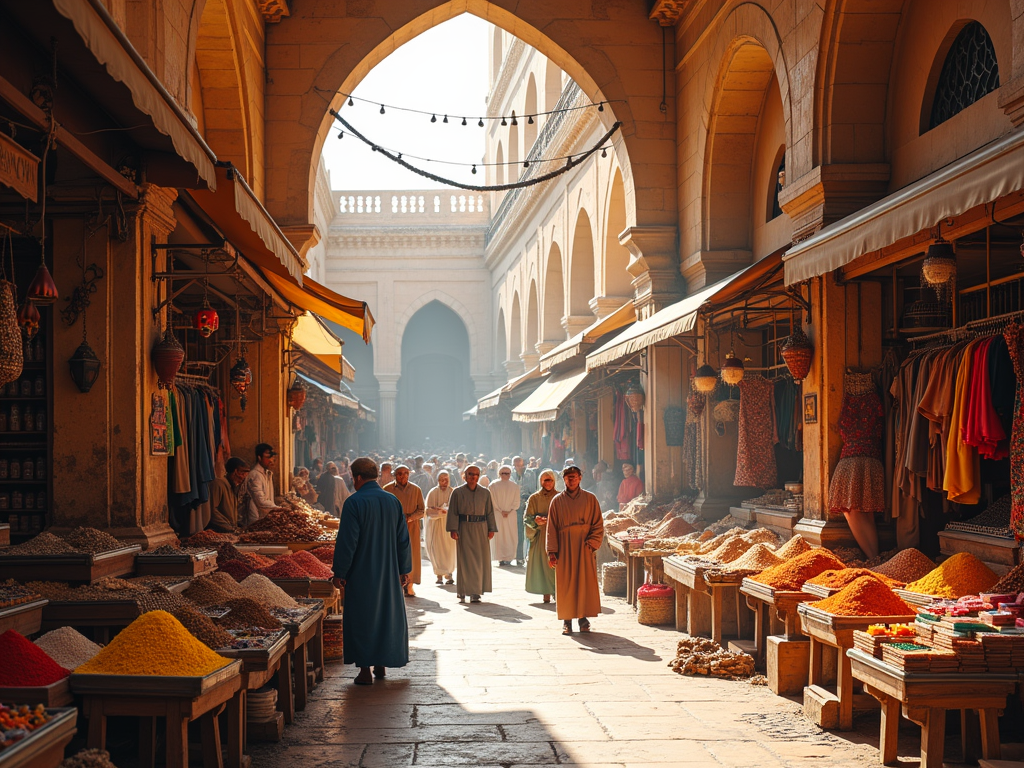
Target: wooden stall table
<point>306,642</point>
<point>633,579</point>
<point>785,654</point>
<point>83,567</point>
<point>25,618</point>
<point>56,694</point>
<point>731,619</point>
<point>187,565</point>
<point>180,700</point>
<point>693,598</point>
<point>924,699</point>
<point>259,667</point>
<point>43,747</point>
<point>823,707</point>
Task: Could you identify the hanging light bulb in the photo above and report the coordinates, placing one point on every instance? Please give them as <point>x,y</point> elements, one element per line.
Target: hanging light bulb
<point>433,118</point>
<point>514,121</point>
<point>604,152</point>
<point>732,370</point>
<point>341,134</point>
<point>481,123</point>
<point>382,109</point>
<point>474,168</point>
<point>28,318</point>
<point>530,121</point>
<point>445,119</point>
<point>503,121</point>
<point>241,378</point>
<point>350,102</point>
<point>600,107</point>
<point>705,379</point>
<point>464,121</point>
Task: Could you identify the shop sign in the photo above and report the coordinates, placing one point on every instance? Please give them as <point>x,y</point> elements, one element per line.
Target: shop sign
<point>19,168</point>
<point>159,445</point>
<point>811,408</point>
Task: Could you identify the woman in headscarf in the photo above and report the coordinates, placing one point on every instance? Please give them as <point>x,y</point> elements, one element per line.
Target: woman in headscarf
<point>441,547</point>
<point>540,577</point>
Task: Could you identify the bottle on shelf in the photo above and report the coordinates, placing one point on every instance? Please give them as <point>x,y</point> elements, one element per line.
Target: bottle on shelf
<point>40,420</point>
<point>17,500</point>
<point>4,468</point>
<point>25,387</point>
<point>14,422</point>
<point>40,468</point>
<point>29,420</point>
<point>39,388</point>
<point>28,469</point>
<point>41,501</point>
<point>15,469</point>
<point>12,388</point>
<point>29,501</point>
<point>3,421</point>
<point>5,501</point>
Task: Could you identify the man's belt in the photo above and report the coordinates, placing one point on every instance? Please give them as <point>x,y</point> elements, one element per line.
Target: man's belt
<point>474,518</point>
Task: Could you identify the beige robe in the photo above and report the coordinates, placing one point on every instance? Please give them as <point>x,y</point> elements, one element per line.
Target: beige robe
<point>473,551</point>
<point>412,505</point>
<point>440,544</point>
<point>505,497</point>
<point>575,532</point>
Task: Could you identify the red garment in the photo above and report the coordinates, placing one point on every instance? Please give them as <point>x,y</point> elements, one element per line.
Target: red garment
<point>858,481</point>
<point>983,429</point>
<point>860,425</point>
<point>630,488</point>
<point>1014,335</point>
<point>755,447</point>
<point>623,450</point>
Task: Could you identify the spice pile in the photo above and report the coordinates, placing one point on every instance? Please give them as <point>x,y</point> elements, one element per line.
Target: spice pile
<point>246,613</point>
<point>837,579</point>
<point>88,758</point>
<point>77,542</point>
<point>43,544</point>
<point>67,647</point>
<point>263,590</point>
<point>206,591</point>
<point>791,575</point>
<point>756,559</point>
<point>154,644</point>
<point>1011,582</point>
<point>12,593</point>
<point>17,722</point>
<point>25,665</point>
<point>285,568</point>
<point>795,546</point>
<point>236,569</point>
<point>92,540</point>
<point>907,565</point>
<point>207,538</point>
<point>202,627</point>
<point>865,596</point>
<point>170,549</point>
<point>701,656</point>
<point>284,526</point>
<point>962,574</point>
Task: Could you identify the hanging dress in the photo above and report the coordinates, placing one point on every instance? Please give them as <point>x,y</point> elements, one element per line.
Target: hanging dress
<point>858,482</point>
<point>755,448</point>
<point>1014,335</point>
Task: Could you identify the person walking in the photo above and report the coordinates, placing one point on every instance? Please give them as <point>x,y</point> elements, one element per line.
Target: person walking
<point>411,498</point>
<point>472,526</point>
<point>575,532</point>
<point>505,497</point>
<point>332,490</point>
<point>540,576</point>
<point>440,546</point>
<point>372,561</point>
<point>526,479</point>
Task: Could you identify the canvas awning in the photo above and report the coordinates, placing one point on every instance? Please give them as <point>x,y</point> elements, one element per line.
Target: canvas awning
<point>313,297</point>
<point>491,399</point>
<point>337,397</point>
<point>582,341</point>
<point>316,339</point>
<point>471,413</point>
<point>546,401</point>
<point>983,176</point>
<point>680,317</point>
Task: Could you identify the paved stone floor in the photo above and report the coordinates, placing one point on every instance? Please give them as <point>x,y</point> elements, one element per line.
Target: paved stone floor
<point>496,684</point>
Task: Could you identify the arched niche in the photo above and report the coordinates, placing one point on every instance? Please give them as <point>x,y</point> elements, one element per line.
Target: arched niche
<point>532,320</point>
<point>581,267</point>
<point>554,296</point>
<point>617,280</point>
<point>530,108</point>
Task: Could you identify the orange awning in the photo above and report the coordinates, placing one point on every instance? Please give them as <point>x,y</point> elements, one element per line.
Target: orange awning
<point>321,300</point>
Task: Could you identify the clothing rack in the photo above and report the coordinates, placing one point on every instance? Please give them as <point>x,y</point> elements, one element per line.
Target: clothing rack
<point>192,380</point>
<point>984,327</point>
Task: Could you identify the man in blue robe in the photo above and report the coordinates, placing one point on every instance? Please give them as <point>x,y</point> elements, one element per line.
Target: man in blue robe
<point>372,561</point>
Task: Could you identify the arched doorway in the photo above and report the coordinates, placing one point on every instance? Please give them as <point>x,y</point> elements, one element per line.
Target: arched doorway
<point>435,388</point>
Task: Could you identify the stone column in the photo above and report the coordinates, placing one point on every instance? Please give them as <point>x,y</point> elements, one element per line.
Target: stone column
<point>387,417</point>
<point>514,368</point>
<point>573,324</point>
<point>530,360</point>
<point>602,306</point>
<point>654,265</point>
<point>663,470</point>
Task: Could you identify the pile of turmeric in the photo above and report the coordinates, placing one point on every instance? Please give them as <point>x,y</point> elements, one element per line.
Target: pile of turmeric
<point>795,546</point>
<point>962,574</point>
<point>865,596</point>
<point>841,578</point>
<point>791,575</point>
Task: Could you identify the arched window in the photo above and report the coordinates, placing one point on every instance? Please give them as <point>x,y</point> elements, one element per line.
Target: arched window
<point>775,209</point>
<point>969,72</point>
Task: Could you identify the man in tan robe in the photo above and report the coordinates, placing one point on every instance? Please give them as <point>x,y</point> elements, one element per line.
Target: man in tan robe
<point>471,523</point>
<point>575,532</point>
<point>412,505</point>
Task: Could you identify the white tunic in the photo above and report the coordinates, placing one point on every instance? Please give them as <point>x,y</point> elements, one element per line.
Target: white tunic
<point>441,547</point>
<point>505,496</point>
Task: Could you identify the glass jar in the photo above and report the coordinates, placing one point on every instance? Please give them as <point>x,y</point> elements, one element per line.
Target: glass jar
<point>14,472</point>
<point>5,500</point>
<point>4,467</point>
<point>14,422</point>
<point>12,388</point>
<point>39,355</point>
<point>40,387</point>
<point>17,500</point>
<point>28,469</point>
<point>3,421</point>
<point>41,501</point>
<point>12,520</point>
<point>40,420</point>
<point>28,419</point>
<point>25,387</point>
<point>40,468</point>
<point>29,501</point>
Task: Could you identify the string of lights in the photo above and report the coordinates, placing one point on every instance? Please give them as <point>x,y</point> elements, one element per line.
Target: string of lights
<point>398,157</point>
<point>446,117</point>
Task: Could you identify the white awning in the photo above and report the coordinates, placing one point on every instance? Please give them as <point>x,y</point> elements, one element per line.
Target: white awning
<point>545,402</point>
<point>491,399</point>
<point>580,343</point>
<point>983,176</point>
<point>471,413</point>
<point>337,397</point>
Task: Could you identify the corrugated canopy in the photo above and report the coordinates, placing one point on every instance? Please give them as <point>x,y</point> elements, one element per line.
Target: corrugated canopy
<point>545,402</point>
<point>983,176</point>
<point>582,341</point>
<point>337,396</point>
<point>492,399</point>
<point>313,297</point>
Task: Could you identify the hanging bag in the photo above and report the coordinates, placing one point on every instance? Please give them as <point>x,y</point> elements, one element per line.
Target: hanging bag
<point>11,353</point>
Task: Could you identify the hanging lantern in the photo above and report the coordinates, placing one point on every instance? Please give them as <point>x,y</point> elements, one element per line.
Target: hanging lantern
<point>634,397</point>
<point>732,370</point>
<point>206,321</point>
<point>42,289</point>
<point>939,268</point>
<point>28,319</point>
<point>85,367</point>
<point>797,353</point>
<point>168,355</point>
<point>241,378</point>
<point>297,394</point>
<point>705,379</point>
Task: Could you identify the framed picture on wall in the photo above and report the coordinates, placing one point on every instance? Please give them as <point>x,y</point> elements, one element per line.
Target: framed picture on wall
<point>811,408</point>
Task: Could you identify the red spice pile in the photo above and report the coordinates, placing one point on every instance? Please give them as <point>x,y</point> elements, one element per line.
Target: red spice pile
<point>324,554</point>
<point>312,566</point>
<point>208,537</point>
<point>285,568</point>
<point>256,561</point>
<point>866,596</point>
<point>26,664</point>
<point>838,579</point>
<point>791,575</point>
<point>236,569</point>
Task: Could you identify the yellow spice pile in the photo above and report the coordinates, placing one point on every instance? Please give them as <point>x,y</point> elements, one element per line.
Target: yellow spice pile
<point>792,548</point>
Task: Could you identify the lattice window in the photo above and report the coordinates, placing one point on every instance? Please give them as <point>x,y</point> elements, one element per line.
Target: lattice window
<point>969,72</point>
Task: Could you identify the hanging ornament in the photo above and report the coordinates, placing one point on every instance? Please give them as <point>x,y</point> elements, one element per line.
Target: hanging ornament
<point>241,378</point>
<point>705,379</point>
<point>634,397</point>
<point>797,353</point>
<point>168,355</point>
<point>85,367</point>
<point>695,404</point>
<point>732,370</point>
<point>28,319</point>
<point>206,321</point>
<point>939,269</point>
<point>297,394</point>
<point>42,289</point>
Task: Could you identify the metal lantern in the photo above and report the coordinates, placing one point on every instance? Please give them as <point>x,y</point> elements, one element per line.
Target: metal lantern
<point>28,318</point>
<point>705,379</point>
<point>168,355</point>
<point>42,289</point>
<point>939,268</point>
<point>797,353</point>
<point>732,370</point>
<point>85,367</point>
<point>297,394</point>
<point>634,397</point>
<point>206,321</point>
<point>241,378</point>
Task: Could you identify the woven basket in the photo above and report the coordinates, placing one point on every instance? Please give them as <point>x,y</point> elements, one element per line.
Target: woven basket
<point>613,579</point>
<point>11,358</point>
<point>334,646</point>
<point>656,604</point>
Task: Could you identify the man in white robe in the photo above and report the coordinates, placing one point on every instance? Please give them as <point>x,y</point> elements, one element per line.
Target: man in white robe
<point>505,497</point>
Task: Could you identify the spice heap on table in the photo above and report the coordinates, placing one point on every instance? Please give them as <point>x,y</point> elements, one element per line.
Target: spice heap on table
<point>791,575</point>
<point>865,596</point>
<point>837,579</point>
<point>906,565</point>
<point>962,574</point>
<point>25,665</point>
<point>12,593</point>
<point>67,647</point>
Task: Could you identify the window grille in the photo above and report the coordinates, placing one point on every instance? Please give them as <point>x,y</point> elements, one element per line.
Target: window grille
<point>969,72</point>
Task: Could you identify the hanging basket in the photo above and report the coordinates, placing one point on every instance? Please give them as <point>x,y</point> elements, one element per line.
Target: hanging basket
<point>798,352</point>
<point>656,604</point>
<point>732,370</point>
<point>168,355</point>
<point>705,379</point>
<point>11,352</point>
<point>297,395</point>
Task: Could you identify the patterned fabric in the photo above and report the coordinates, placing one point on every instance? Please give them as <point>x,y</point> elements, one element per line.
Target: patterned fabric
<point>860,425</point>
<point>858,481</point>
<point>755,451</point>
<point>1014,335</point>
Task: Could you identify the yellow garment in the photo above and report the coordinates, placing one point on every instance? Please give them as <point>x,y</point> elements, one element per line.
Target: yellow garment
<point>963,464</point>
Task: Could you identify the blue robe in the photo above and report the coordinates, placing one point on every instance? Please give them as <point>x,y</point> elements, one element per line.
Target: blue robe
<point>371,553</point>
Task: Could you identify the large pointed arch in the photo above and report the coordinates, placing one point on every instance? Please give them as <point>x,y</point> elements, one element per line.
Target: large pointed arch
<point>617,280</point>
<point>459,308</point>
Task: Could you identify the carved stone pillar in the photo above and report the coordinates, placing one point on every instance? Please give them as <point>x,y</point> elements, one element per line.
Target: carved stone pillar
<point>387,418</point>
<point>514,367</point>
<point>602,306</point>
<point>530,360</point>
<point>573,324</point>
<point>654,265</point>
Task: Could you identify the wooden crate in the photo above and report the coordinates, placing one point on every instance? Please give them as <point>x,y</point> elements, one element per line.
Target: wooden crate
<point>24,618</point>
<point>54,695</point>
<point>5,535</point>
<point>153,685</point>
<point>86,568</point>
<point>186,565</point>
<point>44,747</point>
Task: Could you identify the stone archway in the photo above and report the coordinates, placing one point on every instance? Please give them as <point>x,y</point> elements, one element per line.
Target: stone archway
<point>581,276</point>
<point>554,301</point>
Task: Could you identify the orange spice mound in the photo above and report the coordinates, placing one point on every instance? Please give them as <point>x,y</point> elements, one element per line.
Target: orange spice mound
<point>962,574</point>
<point>792,574</point>
<point>756,559</point>
<point>841,578</point>
<point>795,546</point>
<point>865,596</point>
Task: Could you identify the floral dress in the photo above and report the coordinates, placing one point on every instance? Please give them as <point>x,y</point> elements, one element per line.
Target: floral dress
<point>755,448</point>
<point>1014,335</point>
<point>858,482</point>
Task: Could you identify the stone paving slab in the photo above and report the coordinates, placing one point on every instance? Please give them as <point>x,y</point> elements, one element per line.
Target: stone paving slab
<point>497,685</point>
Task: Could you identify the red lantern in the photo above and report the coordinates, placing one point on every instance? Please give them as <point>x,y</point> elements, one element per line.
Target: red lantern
<point>42,289</point>
<point>297,395</point>
<point>797,352</point>
<point>206,321</point>
<point>167,358</point>
<point>28,318</point>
